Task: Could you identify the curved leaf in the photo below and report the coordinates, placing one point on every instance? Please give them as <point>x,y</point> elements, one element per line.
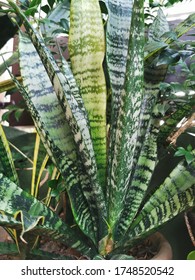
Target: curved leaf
<point>76,119</point>
<point>159,215</point>
<point>14,199</point>
<point>54,131</point>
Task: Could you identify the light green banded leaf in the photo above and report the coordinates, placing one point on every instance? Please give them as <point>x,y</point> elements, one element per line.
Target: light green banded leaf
<point>117,42</point>
<point>75,117</point>
<point>139,183</point>
<point>14,199</point>
<point>159,27</point>
<point>6,158</point>
<point>129,114</point>
<point>87,49</point>
<point>158,216</point>
<point>180,179</point>
<point>8,221</point>
<point>165,211</point>
<point>169,199</point>
<point>55,134</point>
<point>153,75</point>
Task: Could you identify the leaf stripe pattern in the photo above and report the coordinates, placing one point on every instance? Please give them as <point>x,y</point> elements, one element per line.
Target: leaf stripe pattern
<point>128,120</point>
<point>14,199</point>
<point>87,48</point>
<point>119,21</point>
<point>179,179</point>
<point>75,118</point>
<point>140,181</point>
<point>117,42</point>
<point>159,215</point>
<point>65,165</point>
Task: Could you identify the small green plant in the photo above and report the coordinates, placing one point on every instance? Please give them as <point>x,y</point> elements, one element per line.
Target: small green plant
<point>187,153</point>
<point>106,161</point>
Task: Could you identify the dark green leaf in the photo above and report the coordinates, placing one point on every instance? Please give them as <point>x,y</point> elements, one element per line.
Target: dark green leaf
<point>31,11</point>
<point>180,152</point>
<point>167,57</point>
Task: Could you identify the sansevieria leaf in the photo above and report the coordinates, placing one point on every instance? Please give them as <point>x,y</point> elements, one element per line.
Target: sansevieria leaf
<point>14,199</point>
<point>54,130</point>
<point>128,118</point>
<point>157,217</point>
<point>140,179</point>
<point>119,22</point>
<point>175,194</point>
<point>76,120</point>
<point>87,49</point>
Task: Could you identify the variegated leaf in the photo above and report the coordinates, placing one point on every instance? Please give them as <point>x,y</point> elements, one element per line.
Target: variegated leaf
<point>140,180</point>
<point>159,27</point>
<point>128,119</point>
<point>164,212</point>
<point>158,216</point>
<point>87,48</point>
<point>54,129</point>
<point>117,42</point>
<point>75,118</point>
<point>173,196</point>
<point>14,199</point>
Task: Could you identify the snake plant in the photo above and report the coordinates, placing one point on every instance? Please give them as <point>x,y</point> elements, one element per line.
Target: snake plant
<point>106,162</point>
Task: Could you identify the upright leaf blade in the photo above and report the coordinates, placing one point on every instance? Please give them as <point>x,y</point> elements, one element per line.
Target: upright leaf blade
<point>117,42</point>
<point>54,130</point>
<point>76,119</point>
<point>140,180</point>
<point>87,47</point>
<point>159,27</point>
<point>128,119</point>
